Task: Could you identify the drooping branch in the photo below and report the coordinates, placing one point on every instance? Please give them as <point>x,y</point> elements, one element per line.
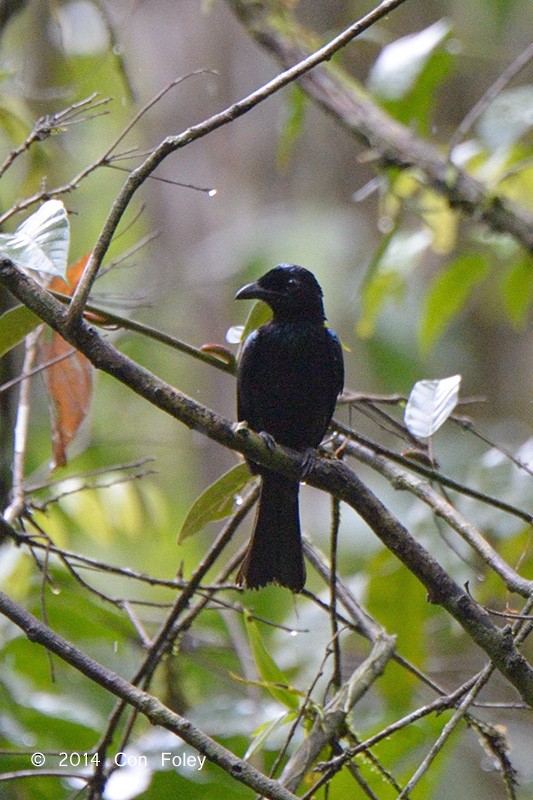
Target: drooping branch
<point>329,475</point>
<point>389,142</point>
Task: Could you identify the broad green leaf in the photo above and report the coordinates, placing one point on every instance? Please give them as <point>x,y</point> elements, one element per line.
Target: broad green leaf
<point>274,680</point>
<point>507,118</point>
<point>15,324</point>
<point>259,314</point>
<point>394,261</point>
<point>400,63</point>
<point>216,502</point>
<point>447,296</point>
<point>430,404</point>
<point>517,291</point>
<point>41,243</point>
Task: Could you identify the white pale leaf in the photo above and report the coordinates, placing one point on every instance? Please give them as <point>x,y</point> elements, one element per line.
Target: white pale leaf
<point>41,243</point>
<point>401,62</point>
<point>430,404</point>
<point>234,334</point>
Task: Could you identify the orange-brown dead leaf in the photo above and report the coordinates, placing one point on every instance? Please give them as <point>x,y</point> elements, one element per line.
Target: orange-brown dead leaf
<point>220,352</point>
<point>69,387</point>
<point>68,382</point>
<point>74,274</point>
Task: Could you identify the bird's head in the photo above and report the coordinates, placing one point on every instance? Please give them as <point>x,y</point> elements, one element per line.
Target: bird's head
<point>292,293</point>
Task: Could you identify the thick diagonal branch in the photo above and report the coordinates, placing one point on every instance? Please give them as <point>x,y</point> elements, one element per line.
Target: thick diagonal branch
<point>330,476</point>
<point>390,143</point>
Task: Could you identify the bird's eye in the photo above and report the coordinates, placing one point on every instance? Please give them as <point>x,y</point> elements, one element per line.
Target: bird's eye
<point>292,282</point>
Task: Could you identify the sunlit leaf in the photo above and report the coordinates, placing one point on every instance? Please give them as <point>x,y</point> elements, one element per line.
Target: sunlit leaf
<point>259,314</point>
<point>398,256</point>
<point>400,63</point>
<point>41,243</point>
<point>275,681</point>
<point>234,334</point>
<point>218,501</point>
<point>441,219</point>
<point>430,404</point>
<point>15,324</point>
<point>447,296</point>
<point>507,118</point>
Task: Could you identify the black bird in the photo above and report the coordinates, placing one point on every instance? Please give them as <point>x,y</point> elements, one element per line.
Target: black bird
<point>289,377</point>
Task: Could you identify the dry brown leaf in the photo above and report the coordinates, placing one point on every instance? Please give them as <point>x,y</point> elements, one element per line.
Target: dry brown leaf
<point>69,381</point>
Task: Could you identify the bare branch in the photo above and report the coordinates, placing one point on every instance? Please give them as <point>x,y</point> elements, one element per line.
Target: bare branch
<point>389,143</point>
<point>173,143</point>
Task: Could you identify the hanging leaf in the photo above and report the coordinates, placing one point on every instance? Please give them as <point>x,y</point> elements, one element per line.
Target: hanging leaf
<point>448,294</point>
<point>41,242</point>
<point>274,680</point>
<point>216,502</point>
<point>15,324</point>
<point>69,381</point>
<point>430,404</point>
<point>69,386</point>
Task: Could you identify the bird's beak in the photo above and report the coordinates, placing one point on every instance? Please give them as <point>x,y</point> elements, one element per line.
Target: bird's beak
<point>252,291</point>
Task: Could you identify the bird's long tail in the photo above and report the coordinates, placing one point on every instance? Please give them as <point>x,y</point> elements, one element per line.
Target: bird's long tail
<point>275,553</point>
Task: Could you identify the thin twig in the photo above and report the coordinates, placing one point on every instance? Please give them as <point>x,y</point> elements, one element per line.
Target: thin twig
<point>448,730</point>
<point>489,96</point>
<point>16,506</point>
<point>173,143</point>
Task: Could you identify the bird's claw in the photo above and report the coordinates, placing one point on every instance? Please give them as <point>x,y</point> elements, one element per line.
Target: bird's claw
<point>268,440</point>
<point>308,463</point>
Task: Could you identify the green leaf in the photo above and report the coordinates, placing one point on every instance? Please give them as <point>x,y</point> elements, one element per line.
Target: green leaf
<point>259,314</point>
<point>517,291</point>
<point>398,255</point>
<point>274,680</point>
<point>216,502</point>
<point>15,324</point>
<point>408,72</point>
<point>447,296</point>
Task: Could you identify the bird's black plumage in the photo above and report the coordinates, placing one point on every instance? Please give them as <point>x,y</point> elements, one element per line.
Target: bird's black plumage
<point>290,374</point>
